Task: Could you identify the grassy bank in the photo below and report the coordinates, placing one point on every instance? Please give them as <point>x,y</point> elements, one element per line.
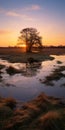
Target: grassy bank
<point>15,54</point>
<point>23,57</point>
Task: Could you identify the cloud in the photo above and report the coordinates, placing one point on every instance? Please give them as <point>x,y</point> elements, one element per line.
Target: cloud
<point>33,8</point>
<point>15,14</point>
<point>19,14</point>
<point>11,13</point>
<point>5,32</point>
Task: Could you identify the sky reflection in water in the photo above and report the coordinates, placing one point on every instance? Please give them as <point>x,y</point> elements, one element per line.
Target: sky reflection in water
<point>26,85</point>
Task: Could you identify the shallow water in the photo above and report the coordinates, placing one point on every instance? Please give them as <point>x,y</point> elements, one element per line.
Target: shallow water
<point>26,85</point>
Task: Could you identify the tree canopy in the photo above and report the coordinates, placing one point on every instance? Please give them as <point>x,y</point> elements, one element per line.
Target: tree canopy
<point>30,36</point>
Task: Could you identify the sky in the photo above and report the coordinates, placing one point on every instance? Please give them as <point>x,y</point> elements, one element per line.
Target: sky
<point>47,16</point>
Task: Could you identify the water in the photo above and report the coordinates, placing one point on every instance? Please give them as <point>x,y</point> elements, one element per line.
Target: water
<point>26,85</point>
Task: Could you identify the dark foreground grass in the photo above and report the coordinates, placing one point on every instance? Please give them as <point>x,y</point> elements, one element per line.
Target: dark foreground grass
<point>42,113</point>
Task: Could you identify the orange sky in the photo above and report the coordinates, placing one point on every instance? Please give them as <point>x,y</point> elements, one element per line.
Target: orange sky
<point>48,38</point>
<point>47,16</point>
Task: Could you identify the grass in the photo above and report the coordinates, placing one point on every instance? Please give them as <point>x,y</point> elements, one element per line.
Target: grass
<point>59,62</point>
<point>2,66</point>
<point>11,70</point>
<point>5,112</point>
<point>10,102</point>
<point>42,113</point>
<point>24,57</point>
<point>54,76</point>
<point>0,76</point>
<point>63,85</point>
<point>51,121</point>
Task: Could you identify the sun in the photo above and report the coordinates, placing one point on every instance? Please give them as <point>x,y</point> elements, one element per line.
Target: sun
<point>23,45</point>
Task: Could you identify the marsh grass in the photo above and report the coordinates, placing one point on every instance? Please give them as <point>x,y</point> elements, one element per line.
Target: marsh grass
<point>42,113</point>
<point>5,112</point>
<point>63,85</point>
<point>23,57</point>
<point>0,78</point>
<point>10,102</point>
<point>2,66</point>
<point>59,62</point>
<point>54,76</point>
<point>51,121</point>
<point>11,70</point>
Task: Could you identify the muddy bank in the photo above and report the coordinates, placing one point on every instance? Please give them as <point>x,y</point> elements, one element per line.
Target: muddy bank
<point>42,113</point>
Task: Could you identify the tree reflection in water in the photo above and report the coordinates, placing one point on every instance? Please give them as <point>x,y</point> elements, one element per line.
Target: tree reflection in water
<point>28,69</point>
<point>31,69</point>
<point>21,69</point>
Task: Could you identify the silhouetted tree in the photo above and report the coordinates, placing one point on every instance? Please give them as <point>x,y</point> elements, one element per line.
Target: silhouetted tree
<point>30,36</point>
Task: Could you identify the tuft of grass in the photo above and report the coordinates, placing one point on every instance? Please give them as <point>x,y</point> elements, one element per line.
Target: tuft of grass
<point>2,66</point>
<point>54,76</point>
<point>5,112</point>
<point>10,102</point>
<point>60,69</point>
<point>0,78</point>
<point>11,70</point>
<point>59,62</point>
<point>63,85</point>
<point>42,113</point>
<point>50,121</point>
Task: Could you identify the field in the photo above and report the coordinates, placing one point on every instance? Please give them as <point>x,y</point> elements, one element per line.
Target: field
<point>45,50</point>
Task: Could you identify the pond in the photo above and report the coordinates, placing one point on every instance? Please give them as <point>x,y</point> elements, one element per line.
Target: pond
<point>27,80</point>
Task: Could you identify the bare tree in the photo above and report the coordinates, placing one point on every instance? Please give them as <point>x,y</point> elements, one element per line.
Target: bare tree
<point>30,36</point>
